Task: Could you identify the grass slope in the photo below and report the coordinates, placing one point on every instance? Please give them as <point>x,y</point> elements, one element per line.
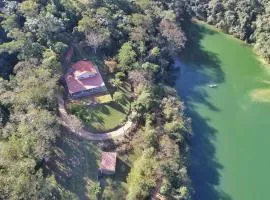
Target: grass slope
<point>75,167</point>
<point>102,117</point>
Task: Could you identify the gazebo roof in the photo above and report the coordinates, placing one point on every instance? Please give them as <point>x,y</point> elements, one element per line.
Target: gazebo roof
<point>108,161</point>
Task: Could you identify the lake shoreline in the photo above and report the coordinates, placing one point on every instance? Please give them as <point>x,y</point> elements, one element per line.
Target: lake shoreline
<point>225,131</point>
<point>264,62</point>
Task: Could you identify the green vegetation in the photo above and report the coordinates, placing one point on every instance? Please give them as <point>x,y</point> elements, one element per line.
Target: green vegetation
<point>133,43</point>
<point>226,126</point>
<point>102,113</point>
<point>106,98</point>
<point>245,19</point>
<point>74,165</point>
<point>140,38</point>
<point>101,118</point>
<point>138,178</point>
<point>116,185</point>
<point>28,131</point>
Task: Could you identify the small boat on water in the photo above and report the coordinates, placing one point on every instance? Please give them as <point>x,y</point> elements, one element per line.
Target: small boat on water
<point>212,85</point>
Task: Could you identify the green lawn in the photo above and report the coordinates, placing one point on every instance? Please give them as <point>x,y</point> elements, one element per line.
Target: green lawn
<point>107,115</point>
<point>101,117</point>
<point>106,98</point>
<point>75,166</point>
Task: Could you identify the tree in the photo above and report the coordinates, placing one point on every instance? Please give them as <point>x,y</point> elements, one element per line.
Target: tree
<point>96,39</point>
<point>120,75</point>
<point>155,51</point>
<point>60,47</point>
<point>20,181</point>
<point>49,27</point>
<point>126,56</point>
<point>10,22</point>
<point>51,61</point>
<point>139,78</point>
<point>95,34</point>
<point>116,82</point>
<point>143,4</point>
<point>144,101</point>
<point>165,187</point>
<point>142,24</point>
<point>119,97</point>
<point>173,33</point>
<point>95,189</point>
<point>142,176</point>
<point>113,190</point>
<point>87,24</point>
<point>29,8</point>
<point>30,91</point>
<point>184,193</point>
<point>247,20</point>
<point>150,67</point>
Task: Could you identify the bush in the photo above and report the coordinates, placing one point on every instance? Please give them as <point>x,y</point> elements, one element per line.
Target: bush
<point>165,187</point>
<point>111,64</point>
<point>119,97</point>
<point>120,75</point>
<point>60,47</point>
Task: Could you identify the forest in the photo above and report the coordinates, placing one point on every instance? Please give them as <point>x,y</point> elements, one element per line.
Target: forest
<point>247,20</point>
<point>141,38</point>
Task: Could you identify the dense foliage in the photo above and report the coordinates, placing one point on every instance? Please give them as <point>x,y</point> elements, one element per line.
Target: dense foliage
<point>141,39</point>
<point>142,36</point>
<point>248,20</point>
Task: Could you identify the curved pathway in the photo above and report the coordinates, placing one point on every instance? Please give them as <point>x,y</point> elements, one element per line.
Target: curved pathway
<point>74,125</point>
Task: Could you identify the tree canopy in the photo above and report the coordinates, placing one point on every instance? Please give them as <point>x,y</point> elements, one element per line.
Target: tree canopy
<point>245,19</point>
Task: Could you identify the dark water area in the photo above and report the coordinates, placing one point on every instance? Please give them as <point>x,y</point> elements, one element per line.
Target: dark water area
<point>7,63</point>
<point>229,149</point>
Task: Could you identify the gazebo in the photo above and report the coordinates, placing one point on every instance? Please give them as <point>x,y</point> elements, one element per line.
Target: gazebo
<point>108,163</point>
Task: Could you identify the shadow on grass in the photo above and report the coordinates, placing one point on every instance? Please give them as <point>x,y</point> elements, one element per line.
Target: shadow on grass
<point>119,107</point>
<point>74,165</point>
<point>114,186</point>
<point>102,118</point>
<point>200,68</point>
<point>122,170</point>
<point>105,117</point>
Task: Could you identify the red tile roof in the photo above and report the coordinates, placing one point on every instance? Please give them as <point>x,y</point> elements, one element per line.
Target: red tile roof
<point>108,161</point>
<point>84,65</point>
<point>75,85</point>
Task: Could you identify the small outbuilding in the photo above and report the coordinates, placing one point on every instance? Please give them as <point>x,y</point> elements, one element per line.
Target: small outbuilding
<point>108,163</point>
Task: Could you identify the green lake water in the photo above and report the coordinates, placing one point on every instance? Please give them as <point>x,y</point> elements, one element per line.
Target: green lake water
<point>230,157</point>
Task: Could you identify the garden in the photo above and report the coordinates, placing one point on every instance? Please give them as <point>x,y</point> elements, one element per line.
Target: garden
<point>101,113</point>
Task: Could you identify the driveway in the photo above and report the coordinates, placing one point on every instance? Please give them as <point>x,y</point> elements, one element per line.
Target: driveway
<point>74,125</point>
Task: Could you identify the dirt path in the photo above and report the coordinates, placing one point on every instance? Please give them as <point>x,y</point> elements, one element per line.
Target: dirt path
<point>75,126</point>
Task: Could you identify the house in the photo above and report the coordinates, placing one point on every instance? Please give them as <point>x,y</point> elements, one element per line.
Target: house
<point>84,79</point>
<point>108,163</point>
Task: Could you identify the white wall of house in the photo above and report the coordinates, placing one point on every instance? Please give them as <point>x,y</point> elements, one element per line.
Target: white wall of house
<point>85,75</point>
<point>89,92</point>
